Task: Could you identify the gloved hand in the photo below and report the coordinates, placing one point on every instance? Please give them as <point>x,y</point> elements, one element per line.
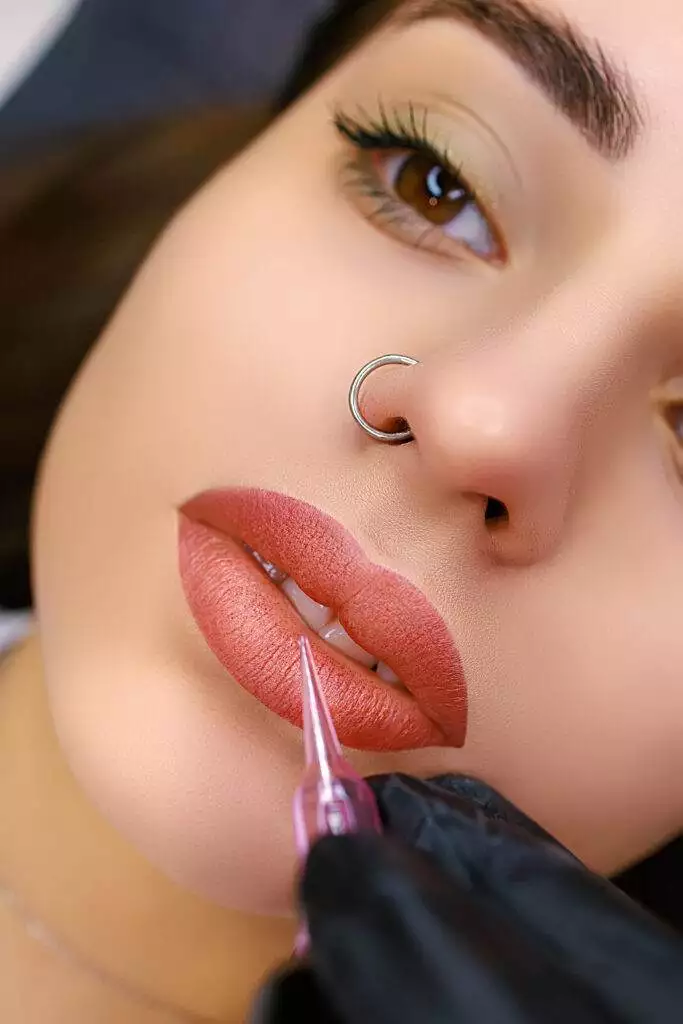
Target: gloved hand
<point>466,911</point>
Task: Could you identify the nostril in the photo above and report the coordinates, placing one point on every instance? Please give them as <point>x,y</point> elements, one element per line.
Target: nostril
<point>394,424</point>
<point>496,513</point>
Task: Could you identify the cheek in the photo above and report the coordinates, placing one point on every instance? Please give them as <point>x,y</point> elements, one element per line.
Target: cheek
<point>199,381</point>
<point>215,366</point>
<point>239,335</point>
<point>581,705</point>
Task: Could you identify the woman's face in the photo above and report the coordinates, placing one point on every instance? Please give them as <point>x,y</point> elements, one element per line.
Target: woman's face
<point>433,199</point>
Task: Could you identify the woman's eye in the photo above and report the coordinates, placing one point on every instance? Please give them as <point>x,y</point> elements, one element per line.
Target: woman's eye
<point>403,181</point>
<point>438,200</point>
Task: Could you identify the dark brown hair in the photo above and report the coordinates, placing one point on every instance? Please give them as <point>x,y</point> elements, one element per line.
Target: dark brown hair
<point>335,35</point>
<point>76,220</point>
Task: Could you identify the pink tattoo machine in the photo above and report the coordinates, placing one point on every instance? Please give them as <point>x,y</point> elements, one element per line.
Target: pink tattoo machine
<point>332,798</point>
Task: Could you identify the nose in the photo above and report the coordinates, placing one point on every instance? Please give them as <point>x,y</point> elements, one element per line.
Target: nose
<point>511,418</point>
<point>503,426</point>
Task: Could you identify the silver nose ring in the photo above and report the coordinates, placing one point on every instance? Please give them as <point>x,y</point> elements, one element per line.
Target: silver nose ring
<point>385,436</point>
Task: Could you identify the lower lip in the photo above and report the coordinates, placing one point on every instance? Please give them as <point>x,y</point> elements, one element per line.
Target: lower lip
<point>253,631</point>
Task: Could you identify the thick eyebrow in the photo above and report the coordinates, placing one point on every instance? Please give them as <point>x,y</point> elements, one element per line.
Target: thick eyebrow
<point>573,71</point>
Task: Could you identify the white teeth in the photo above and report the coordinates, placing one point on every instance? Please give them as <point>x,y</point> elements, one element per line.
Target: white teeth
<point>271,570</point>
<point>320,619</point>
<point>387,674</point>
<point>314,615</point>
<point>336,636</point>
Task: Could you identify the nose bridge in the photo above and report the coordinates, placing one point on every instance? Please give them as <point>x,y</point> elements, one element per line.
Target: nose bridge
<point>506,415</point>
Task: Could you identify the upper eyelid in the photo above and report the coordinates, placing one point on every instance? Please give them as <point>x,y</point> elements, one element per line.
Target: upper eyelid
<point>420,115</point>
<point>404,135</point>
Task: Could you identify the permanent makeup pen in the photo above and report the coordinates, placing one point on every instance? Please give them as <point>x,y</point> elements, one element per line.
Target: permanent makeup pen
<point>332,798</point>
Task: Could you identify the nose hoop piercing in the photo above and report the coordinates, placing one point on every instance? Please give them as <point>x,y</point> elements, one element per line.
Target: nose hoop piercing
<point>385,436</point>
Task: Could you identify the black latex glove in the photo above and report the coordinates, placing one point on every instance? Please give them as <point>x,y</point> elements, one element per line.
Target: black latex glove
<point>495,923</point>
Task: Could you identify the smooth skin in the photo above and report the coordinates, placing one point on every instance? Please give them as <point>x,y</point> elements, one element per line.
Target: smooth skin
<point>144,796</point>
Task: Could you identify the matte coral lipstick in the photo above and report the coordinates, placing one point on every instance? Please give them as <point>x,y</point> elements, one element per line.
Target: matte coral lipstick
<point>253,629</point>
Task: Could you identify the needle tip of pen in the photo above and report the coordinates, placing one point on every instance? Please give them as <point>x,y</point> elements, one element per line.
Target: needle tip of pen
<point>308,679</point>
<point>320,738</point>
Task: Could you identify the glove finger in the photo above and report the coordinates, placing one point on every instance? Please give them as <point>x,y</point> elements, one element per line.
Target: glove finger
<point>392,940</point>
<point>487,845</point>
<point>292,994</point>
<point>455,819</point>
<point>404,801</point>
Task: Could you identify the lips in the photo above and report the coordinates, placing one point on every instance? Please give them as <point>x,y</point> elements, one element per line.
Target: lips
<point>252,628</point>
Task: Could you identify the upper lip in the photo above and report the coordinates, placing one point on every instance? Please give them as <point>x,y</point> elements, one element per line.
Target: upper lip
<point>380,609</point>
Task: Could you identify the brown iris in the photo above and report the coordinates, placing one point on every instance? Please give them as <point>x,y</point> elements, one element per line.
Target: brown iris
<point>434,192</point>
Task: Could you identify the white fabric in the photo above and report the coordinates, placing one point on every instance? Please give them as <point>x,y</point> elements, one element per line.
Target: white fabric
<point>27,29</point>
<point>14,626</point>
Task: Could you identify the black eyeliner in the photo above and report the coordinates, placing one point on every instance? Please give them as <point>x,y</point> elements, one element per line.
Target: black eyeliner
<point>392,130</point>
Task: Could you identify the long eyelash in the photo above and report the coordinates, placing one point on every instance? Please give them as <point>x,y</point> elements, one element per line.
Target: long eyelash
<point>395,130</point>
